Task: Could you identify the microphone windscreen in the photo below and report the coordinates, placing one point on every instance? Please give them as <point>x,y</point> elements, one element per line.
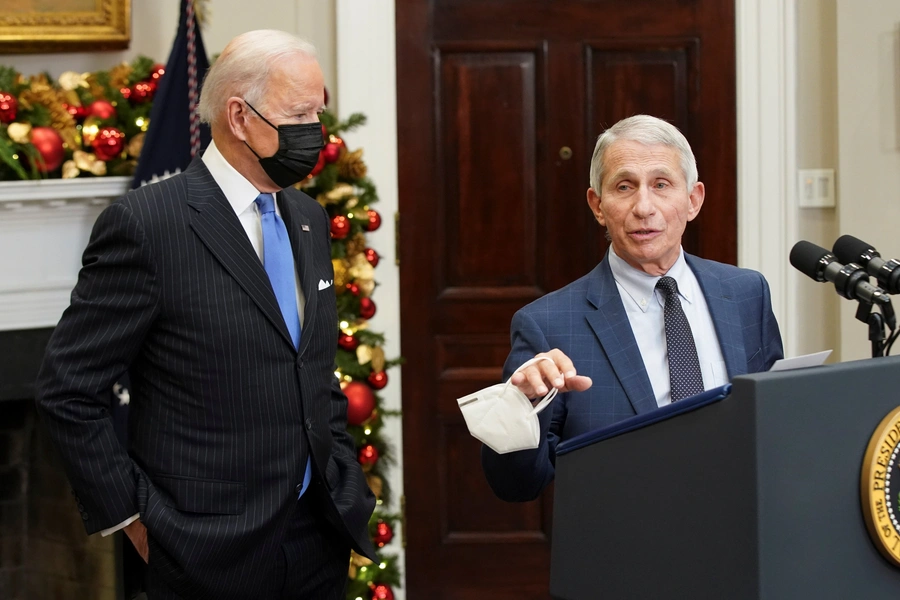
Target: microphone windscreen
<point>849,249</point>
<point>805,257</point>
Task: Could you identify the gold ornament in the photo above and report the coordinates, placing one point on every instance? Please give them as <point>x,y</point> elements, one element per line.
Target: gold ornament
<point>89,130</point>
<point>357,561</point>
<point>366,287</point>
<point>360,268</point>
<point>378,359</point>
<point>351,166</point>
<point>118,75</point>
<point>69,170</point>
<point>356,245</point>
<point>20,133</point>
<point>71,137</point>
<point>85,161</point>
<point>70,80</point>
<point>341,276</point>
<point>135,145</point>
<point>202,11</point>
<point>363,354</point>
<point>339,192</point>
<point>375,484</point>
<point>40,93</point>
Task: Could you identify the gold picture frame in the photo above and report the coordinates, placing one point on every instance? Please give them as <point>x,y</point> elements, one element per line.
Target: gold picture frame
<point>64,25</point>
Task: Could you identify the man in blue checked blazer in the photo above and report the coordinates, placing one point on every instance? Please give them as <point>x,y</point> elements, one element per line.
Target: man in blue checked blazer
<point>214,289</point>
<point>649,325</point>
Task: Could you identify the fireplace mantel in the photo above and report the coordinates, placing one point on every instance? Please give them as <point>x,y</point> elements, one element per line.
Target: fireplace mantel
<point>44,228</point>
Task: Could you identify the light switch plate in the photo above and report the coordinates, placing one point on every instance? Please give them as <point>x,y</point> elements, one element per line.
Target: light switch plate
<point>816,188</point>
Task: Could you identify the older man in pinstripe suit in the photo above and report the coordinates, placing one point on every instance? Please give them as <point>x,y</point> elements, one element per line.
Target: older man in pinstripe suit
<point>240,480</point>
<point>650,324</point>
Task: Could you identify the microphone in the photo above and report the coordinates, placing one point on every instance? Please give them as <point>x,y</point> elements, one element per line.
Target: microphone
<point>850,249</point>
<point>851,281</point>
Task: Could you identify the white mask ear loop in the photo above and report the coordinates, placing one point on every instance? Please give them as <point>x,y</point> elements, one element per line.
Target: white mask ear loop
<point>546,399</point>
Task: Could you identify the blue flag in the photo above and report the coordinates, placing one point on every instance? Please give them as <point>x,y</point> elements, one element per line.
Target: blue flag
<point>176,135</point>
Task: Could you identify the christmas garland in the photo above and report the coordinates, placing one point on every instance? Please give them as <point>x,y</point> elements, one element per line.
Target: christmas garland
<point>339,183</point>
<point>81,124</point>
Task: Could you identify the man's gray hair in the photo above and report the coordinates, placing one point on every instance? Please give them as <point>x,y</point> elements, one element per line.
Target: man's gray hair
<point>244,68</point>
<point>649,131</point>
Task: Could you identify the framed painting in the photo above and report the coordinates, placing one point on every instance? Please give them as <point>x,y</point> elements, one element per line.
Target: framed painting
<point>64,25</point>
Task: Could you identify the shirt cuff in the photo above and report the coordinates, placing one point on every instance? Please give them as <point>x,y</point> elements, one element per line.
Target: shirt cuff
<point>121,525</point>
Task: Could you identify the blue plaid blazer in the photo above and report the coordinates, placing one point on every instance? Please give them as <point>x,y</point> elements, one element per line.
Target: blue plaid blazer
<point>587,320</point>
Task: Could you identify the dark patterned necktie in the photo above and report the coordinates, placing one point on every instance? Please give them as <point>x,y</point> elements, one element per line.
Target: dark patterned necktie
<point>684,367</point>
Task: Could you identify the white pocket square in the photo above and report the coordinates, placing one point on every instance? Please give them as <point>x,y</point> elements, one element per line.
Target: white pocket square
<point>324,285</point>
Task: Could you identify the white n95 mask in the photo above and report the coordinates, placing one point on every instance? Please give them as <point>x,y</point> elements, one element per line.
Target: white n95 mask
<point>503,418</point>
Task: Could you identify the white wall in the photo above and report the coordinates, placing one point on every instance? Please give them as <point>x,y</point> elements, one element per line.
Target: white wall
<point>366,68</point>
<point>868,101</point>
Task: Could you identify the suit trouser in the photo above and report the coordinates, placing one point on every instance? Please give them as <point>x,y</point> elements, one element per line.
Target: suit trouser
<point>312,563</point>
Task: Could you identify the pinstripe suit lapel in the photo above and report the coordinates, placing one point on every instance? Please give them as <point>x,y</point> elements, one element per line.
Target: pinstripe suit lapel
<point>724,311</point>
<point>302,244</point>
<point>611,326</point>
<point>215,223</point>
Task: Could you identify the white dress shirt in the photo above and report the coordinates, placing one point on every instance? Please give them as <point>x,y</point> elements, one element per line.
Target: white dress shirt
<point>241,195</point>
<point>644,308</point>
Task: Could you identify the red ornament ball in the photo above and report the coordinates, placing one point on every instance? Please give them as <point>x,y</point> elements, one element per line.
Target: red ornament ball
<point>378,379</point>
<point>126,92</point>
<point>102,109</point>
<point>320,164</point>
<point>366,308</point>
<point>142,92</point>
<point>374,220</point>
<point>381,591</point>
<point>157,72</point>
<point>353,289</point>
<point>76,110</point>
<point>49,145</point>
<point>371,256</point>
<point>331,152</point>
<point>9,107</point>
<point>340,227</point>
<point>348,342</point>
<point>360,403</point>
<point>383,534</point>
<point>368,455</point>
<point>109,143</point>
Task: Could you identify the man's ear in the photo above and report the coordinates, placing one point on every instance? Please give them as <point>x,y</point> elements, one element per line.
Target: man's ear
<point>238,116</point>
<point>593,200</point>
<point>698,194</point>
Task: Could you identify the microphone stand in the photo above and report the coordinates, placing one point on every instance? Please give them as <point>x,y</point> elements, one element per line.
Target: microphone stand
<point>876,322</point>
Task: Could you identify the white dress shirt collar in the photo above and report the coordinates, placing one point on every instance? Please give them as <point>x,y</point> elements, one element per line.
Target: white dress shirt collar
<point>239,192</point>
<point>640,286</point>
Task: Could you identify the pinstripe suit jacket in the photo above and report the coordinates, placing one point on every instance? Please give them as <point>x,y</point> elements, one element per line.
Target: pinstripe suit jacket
<point>225,410</point>
<point>587,321</point>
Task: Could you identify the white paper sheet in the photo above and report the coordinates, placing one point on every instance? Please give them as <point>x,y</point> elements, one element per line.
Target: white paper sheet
<point>800,362</point>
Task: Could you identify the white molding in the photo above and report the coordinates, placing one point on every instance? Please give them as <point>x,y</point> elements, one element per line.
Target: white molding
<point>44,228</point>
<point>767,143</point>
<point>366,61</point>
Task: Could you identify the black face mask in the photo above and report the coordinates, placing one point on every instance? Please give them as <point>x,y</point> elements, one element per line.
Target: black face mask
<point>298,152</point>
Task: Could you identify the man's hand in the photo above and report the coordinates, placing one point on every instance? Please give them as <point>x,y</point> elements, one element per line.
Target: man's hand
<point>137,533</point>
<point>535,380</point>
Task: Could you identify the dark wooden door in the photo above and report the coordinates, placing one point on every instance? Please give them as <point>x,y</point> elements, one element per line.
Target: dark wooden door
<point>499,105</point>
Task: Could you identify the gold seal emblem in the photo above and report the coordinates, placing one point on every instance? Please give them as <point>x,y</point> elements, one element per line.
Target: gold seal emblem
<point>880,487</point>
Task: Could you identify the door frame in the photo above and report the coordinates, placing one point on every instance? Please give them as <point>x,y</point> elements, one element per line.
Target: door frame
<point>766,34</point>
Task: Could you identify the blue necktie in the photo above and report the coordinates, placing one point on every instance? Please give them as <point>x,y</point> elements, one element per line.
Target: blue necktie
<point>278,259</point>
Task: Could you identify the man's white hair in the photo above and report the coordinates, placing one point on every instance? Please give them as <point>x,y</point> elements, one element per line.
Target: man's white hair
<point>244,67</point>
<point>647,130</point>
